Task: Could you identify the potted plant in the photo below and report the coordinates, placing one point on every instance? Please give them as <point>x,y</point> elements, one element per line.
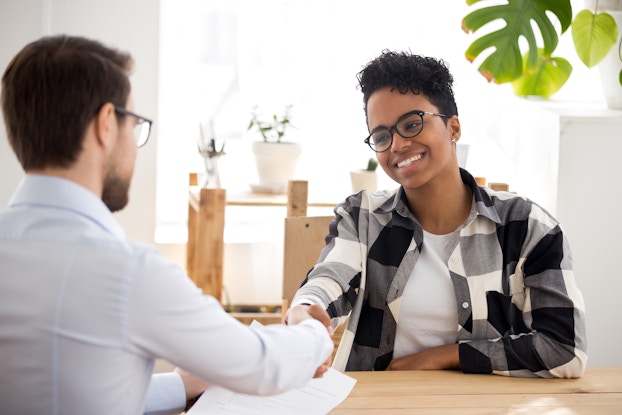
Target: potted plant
<point>275,158</point>
<point>365,178</point>
<point>537,72</point>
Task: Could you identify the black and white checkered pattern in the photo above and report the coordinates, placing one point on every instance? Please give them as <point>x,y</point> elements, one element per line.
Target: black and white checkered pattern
<point>520,312</point>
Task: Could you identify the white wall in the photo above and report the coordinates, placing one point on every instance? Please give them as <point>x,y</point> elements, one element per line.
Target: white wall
<point>567,155</point>
<point>131,25</point>
<point>589,197</point>
<point>134,25</point>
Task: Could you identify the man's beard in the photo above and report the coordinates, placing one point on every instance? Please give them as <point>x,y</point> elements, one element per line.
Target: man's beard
<point>115,194</point>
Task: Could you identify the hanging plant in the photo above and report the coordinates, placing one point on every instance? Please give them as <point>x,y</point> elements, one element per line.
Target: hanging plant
<point>535,71</point>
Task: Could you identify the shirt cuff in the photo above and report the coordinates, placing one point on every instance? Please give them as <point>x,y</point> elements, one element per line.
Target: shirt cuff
<point>166,394</point>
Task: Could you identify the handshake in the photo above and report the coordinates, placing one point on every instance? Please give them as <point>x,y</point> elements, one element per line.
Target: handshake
<point>301,312</point>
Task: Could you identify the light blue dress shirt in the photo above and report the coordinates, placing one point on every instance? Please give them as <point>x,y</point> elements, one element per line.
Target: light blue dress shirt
<point>84,313</point>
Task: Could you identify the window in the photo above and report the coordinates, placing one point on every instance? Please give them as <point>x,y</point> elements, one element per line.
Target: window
<point>220,58</point>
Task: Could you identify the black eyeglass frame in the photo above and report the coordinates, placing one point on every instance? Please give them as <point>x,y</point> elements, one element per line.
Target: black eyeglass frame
<point>141,120</point>
<point>394,127</point>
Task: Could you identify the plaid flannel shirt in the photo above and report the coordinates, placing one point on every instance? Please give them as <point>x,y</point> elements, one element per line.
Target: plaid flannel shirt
<point>520,312</point>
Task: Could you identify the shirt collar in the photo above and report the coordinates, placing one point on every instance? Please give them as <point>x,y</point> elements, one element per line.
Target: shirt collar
<point>58,193</point>
<point>483,202</point>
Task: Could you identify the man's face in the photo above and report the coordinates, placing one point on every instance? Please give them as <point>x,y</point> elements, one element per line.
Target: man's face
<point>120,168</point>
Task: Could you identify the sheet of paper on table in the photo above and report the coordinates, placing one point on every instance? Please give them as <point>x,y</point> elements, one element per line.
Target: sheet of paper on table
<point>318,397</point>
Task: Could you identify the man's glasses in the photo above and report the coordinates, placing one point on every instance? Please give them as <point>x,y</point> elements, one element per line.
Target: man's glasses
<point>408,125</point>
<point>142,127</point>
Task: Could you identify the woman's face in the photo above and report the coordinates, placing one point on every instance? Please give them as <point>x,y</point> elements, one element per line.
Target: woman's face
<point>421,160</point>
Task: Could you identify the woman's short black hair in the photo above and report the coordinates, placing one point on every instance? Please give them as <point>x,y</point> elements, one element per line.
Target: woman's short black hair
<point>410,73</point>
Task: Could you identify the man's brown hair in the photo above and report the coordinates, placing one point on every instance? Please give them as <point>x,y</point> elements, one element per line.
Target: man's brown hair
<point>51,91</point>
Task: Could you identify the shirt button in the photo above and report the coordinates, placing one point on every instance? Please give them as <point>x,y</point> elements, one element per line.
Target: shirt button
<point>465,305</point>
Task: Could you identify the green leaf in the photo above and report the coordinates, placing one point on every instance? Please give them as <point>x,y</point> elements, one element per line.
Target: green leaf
<point>547,78</point>
<point>593,36</point>
<point>505,63</point>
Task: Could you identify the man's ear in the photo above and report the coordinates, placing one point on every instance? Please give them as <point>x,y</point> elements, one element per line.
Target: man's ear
<point>105,125</point>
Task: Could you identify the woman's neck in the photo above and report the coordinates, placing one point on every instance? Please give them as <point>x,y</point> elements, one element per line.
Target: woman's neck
<point>441,209</point>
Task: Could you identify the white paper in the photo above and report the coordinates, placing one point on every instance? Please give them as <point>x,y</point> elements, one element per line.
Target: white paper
<point>318,397</point>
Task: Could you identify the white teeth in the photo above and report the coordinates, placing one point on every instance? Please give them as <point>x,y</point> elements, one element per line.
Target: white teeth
<point>409,161</point>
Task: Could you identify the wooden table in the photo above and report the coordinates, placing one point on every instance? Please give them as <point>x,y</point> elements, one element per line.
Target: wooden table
<point>599,392</point>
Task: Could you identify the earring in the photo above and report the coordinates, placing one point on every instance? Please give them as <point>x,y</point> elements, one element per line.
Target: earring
<point>453,139</point>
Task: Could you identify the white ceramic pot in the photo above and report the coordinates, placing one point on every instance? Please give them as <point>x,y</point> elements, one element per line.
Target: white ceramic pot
<point>276,165</point>
<point>611,65</point>
<point>610,68</point>
<point>364,179</point>
<point>604,5</point>
<point>462,153</point>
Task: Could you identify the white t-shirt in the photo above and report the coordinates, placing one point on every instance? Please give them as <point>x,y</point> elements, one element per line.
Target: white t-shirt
<point>428,316</point>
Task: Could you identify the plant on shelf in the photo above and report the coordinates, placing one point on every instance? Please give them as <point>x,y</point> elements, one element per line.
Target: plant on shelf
<point>271,131</point>
<point>372,164</point>
<point>365,178</point>
<point>276,159</point>
<point>537,72</point>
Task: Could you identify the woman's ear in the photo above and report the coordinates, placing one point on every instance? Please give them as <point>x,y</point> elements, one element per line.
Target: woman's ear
<point>105,125</point>
<point>453,127</point>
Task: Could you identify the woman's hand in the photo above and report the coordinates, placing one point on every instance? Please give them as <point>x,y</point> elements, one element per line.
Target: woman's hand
<point>435,358</point>
<point>301,312</point>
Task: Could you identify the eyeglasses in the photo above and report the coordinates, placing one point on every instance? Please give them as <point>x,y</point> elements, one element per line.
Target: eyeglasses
<point>408,125</point>
<point>142,127</point>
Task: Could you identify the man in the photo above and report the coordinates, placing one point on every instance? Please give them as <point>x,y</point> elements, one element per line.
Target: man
<point>85,312</point>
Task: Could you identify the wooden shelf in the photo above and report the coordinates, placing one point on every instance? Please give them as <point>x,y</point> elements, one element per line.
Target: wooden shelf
<point>206,222</point>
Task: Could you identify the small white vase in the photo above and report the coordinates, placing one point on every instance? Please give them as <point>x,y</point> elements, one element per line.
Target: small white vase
<point>276,165</point>
<point>364,179</point>
<point>462,153</point>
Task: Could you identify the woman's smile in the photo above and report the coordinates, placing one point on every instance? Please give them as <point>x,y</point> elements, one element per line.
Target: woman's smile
<point>410,160</point>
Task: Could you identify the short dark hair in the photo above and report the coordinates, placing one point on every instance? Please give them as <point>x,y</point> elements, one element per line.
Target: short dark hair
<point>409,73</point>
<point>51,91</point>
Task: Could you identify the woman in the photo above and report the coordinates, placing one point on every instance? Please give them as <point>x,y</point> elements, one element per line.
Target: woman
<point>441,273</point>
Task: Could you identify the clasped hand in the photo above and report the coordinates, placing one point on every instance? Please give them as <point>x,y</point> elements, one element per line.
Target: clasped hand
<point>302,312</point>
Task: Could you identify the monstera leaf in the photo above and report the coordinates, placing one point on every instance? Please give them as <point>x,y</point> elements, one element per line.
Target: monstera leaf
<point>546,79</point>
<point>505,63</point>
<point>593,36</point>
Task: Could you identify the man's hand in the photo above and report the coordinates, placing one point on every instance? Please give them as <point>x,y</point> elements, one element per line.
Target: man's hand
<point>302,312</point>
<point>436,358</point>
<point>193,385</point>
